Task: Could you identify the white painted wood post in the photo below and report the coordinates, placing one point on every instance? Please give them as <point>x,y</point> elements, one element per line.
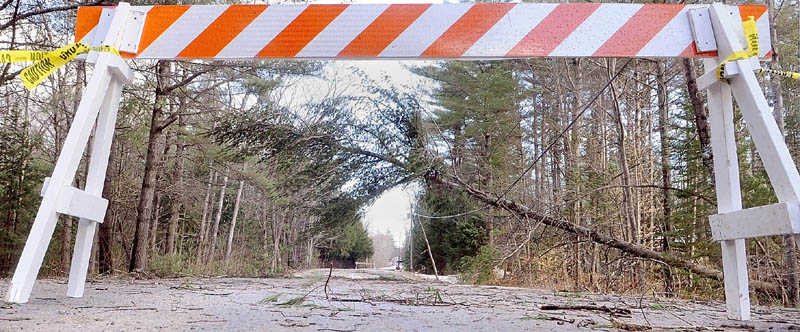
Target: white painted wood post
<point>769,142</point>
<point>729,195</point>
<point>63,174</point>
<point>756,112</point>
<point>103,90</point>
<point>101,149</point>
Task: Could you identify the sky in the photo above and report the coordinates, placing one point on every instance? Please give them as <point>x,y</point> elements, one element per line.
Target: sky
<point>390,213</point>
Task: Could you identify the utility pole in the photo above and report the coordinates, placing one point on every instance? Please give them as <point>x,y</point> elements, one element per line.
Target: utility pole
<point>411,245</point>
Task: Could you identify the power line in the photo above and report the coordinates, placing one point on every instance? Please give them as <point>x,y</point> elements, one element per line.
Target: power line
<point>564,131</point>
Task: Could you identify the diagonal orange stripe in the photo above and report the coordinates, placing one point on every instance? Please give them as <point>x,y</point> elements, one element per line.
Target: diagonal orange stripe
<point>691,52</point>
<point>751,10</point>
<point>301,31</point>
<point>468,29</point>
<point>88,18</point>
<point>383,30</point>
<point>551,31</point>
<point>220,32</point>
<point>159,18</point>
<point>639,29</point>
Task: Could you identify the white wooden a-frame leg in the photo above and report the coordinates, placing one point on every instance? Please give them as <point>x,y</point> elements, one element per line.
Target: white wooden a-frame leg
<point>729,195</point>
<point>770,144</point>
<point>771,148</point>
<point>101,148</point>
<point>56,195</point>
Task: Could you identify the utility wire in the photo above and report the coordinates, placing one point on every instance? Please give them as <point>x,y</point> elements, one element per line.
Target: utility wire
<point>451,215</point>
<point>564,131</point>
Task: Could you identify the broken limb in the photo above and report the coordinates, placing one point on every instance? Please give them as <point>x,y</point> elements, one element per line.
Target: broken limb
<point>594,236</point>
<point>622,312</point>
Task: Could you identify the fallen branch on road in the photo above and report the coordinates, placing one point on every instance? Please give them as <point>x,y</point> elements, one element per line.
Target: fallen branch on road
<point>621,312</point>
<point>629,326</point>
<point>330,272</point>
<point>607,240</point>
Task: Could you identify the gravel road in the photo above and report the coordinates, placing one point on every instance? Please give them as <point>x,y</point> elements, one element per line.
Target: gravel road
<point>363,300</point>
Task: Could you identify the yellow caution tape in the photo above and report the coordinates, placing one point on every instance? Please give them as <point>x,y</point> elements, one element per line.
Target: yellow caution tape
<point>21,56</point>
<point>733,57</point>
<point>47,62</point>
<point>751,32</point>
<point>787,74</point>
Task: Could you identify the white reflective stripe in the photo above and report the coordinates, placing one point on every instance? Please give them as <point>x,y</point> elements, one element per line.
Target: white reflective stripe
<point>183,31</point>
<point>673,39</point>
<point>143,9</point>
<point>89,37</point>
<point>261,31</point>
<point>596,30</point>
<point>507,32</point>
<point>339,33</point>
<point>764,38</point>
<point>425,30</point>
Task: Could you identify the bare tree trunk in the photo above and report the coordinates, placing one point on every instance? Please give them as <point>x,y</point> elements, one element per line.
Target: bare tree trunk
<point>212,248</point>
<point>310,253</point>
<point>700,116</point>
<point>630,217</point>
<point>488,183</point>
<point>66,232</point>
<point>265,227</point>
<point>789,246</point>
<point>201,242</point>
<point>572,157</point>
<point>105,233</point>
<point>288,237</point>
<point>144,208</point>
<point>627,195</point>
<point>411,247</point>
<point>155,219</point>
<point>177,194</point>
<point>277,228</point>
<point>66,243</point>
<point>666,168</point>
<point>233,223</point>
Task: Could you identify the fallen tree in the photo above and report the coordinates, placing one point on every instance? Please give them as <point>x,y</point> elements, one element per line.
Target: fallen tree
<point>607,240</point>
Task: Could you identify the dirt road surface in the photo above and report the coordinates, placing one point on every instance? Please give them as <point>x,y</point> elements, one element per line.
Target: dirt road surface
<point>362,300</point>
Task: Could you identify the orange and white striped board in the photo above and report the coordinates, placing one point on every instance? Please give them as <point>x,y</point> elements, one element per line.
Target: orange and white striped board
<point>416,31</point>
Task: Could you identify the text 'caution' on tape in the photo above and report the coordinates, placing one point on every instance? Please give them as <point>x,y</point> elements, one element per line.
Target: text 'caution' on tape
<point>47,62</point>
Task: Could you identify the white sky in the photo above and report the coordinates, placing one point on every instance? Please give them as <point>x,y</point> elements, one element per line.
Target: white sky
<point>390,213</point>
